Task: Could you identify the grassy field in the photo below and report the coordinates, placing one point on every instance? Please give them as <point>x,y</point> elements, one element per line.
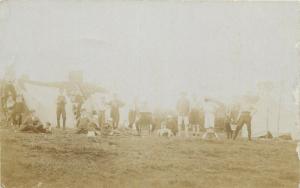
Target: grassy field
<point>65,159</point>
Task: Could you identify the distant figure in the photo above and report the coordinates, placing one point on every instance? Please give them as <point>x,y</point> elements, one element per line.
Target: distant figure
<point>144,119</point>
<point>9,90</point>
<point>60,108</point>
<point>83,125</point>
<point>172,124</point>
<point>102,113</point>
<point>157,118</point>
<point>194,118</point>
<point>115,106</point>
<point>183,109</point>
<point>164,131</point>
<point>8,94</point>
<point>231,119</point>
<point>10,105</point>
<point>19,109</point>
<point>77,105</point>
<point>33,124</point>
<point>210,108</point>
<point>244,117</point>
<point>132,114</point>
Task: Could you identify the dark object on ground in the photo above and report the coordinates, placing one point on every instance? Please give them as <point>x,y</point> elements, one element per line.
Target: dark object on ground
<point>82,131</point>
<point>34,125</point>
<point>267,136</point>
<point>34,129</point>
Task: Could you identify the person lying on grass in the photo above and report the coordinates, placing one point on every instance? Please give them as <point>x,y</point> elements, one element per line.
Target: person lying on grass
<point>33,124</point>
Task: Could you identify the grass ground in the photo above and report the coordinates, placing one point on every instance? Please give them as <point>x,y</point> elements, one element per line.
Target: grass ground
<point>64,159</point>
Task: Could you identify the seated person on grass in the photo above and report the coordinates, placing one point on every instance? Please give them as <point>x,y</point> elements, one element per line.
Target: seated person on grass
<point>33,124</point>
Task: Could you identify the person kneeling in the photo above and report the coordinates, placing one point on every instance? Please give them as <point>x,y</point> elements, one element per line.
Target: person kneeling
<point>164,131</point>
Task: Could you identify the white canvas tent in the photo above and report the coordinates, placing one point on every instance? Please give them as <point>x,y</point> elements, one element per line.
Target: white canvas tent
<point>273,116</point>
<point>43,101</point>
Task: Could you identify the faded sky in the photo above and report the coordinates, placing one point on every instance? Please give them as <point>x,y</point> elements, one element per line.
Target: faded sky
<point>154,50</point>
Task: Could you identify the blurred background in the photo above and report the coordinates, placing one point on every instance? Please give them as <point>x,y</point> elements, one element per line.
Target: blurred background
<point>156,50</point>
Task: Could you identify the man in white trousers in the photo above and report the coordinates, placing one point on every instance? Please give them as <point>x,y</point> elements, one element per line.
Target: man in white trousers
<point>210,107</point>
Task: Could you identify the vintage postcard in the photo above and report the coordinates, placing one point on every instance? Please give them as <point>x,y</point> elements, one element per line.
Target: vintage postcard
<point>149,94</point>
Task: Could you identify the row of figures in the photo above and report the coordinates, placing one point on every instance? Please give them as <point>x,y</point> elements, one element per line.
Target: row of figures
<point>192,115</point>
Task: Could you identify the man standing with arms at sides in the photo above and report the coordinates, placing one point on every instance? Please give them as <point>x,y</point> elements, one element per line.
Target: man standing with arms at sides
<point>18,111</point>
<point>231,113</point>
<point>194,117</point>
<point>77,105</point>
<point>115,105</point>
<point>102,108</point>
<point>133,112</point>
<point>60,108</point>
<point>210,108</point>
<point>183,109</point>
<point>245,116</point>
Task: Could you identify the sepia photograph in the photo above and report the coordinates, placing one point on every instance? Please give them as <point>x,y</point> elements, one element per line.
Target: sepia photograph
<point>149,94</point>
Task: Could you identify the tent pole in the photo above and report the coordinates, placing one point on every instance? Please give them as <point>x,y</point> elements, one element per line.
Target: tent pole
<point>279,107</point>
<point>267,118</point>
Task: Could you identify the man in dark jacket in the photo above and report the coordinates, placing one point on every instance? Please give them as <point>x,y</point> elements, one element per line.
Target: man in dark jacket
<point>115,105</point>
<point>19,109</point>
<point>60,109</point>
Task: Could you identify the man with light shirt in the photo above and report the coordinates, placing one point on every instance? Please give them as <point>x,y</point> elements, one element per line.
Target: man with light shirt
<point>210,107</point>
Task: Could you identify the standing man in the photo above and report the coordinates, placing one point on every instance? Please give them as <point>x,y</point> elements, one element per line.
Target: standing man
<point>210,108</point>
<point>228,122</point>
<point>231,119</point>
<point>101,116</point>
<point>77,105</point>
<point>60,108</point>
<point>183,109</point>
<point>244,117</point>
<point>194,117</point>
<point>115,106</point>
<point>18,111</point>
<point>144,118</point>
<point>10,105</point>
<point>133,112</point>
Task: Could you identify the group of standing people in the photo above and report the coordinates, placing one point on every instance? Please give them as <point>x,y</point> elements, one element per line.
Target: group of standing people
<point>80,112</point>
<point>236,116</point>
<point>190,115</point>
